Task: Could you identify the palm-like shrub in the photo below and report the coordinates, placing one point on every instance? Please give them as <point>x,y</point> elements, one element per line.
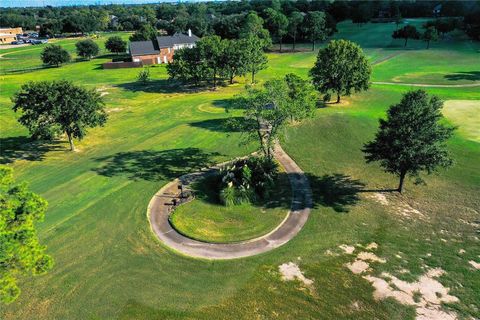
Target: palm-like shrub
<point>247,180</point>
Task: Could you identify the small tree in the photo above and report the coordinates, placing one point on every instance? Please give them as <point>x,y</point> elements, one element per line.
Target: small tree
<point>144,75</point>
<point>20,251</point>
<point>341,67</point>
<point>295,20</point>
<point>255,57</point>
<point>430,34</point>
<point>115,44</point>
<point>314,26</point>
<point>407,32</point>
<point>70,108</point>
<point>412,138</point>
<point>87,48</point>
<point>54,55</point>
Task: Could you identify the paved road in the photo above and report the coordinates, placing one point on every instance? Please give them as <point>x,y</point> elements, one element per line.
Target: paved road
<point>466,85</point>
<point>160,207</point>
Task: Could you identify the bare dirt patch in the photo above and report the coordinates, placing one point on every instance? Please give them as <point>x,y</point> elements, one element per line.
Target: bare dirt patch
<point>347,249</point>
<point>372,246</point>
<point>368,256</point>
<point>358,266</point>
<point>426,294</point>
<point>429,292</point>
<point>474,264</point>
<point>290,271</point>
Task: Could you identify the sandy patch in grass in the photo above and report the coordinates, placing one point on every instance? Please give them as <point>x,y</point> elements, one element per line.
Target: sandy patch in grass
<point>372,246</point>
<point>464,114</point>
<point>290,271</point>
<point>429,292</point>
<point>358,266</point>
<point>368,256</point>
<point>426,294</point>
<point>474,264</point>
<point>347,249</point>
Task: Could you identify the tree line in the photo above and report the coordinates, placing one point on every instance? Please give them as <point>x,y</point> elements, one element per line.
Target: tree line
<point>227,18</point>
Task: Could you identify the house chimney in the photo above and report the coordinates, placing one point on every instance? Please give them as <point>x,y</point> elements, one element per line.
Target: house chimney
<point>189,32</point>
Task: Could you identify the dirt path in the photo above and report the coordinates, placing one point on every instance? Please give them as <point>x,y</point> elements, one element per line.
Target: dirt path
<point>467,85</point>
<point>160,205</point>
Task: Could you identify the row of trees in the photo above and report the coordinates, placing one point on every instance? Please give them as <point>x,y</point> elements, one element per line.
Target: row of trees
<point>204,18</point>
<point>213,57</point>
<point>55,55</point>
<point>432,30</point>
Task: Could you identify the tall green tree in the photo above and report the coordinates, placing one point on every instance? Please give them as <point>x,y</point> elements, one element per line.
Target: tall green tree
<point>429,35</point>
<point>341,67</point>
<point>255,56</point>
<point>60,104</point>
<point>234,60</point>
<point>188,65</point>
<point>212,49</point>
<point>295,20</point>
<point>314,26</point>
<point>21,253</point>
<point>253,26</point>
<point>412,138</point>
<point>145,33</point>
<point>54,55</point>
<point>407,32</point>
<point>87,48</point>
<point>277,24</point>
<point>302,97</point>
<point>116,44</point>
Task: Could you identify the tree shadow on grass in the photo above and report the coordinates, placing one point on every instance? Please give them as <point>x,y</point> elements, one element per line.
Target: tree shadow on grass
<point>155,165</point>
<point>161,86</point>
<point>337,191</point>
<point>468,75</point>
<point>232,124</point>
<point>24,148</point>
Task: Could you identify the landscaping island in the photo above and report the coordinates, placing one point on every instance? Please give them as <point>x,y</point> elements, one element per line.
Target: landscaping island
<point>206,219</point>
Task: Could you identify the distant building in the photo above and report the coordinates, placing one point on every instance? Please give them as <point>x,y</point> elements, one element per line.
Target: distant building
<point>8,35</point>
<point>161,49</point>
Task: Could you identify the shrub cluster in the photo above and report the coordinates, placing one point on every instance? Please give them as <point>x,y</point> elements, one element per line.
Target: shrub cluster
<point>247,180</point>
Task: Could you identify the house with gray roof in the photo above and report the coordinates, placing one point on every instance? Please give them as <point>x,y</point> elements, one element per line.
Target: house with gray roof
<point>161,49</point>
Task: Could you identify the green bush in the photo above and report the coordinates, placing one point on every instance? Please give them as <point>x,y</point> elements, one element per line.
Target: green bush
<point>247,180</point>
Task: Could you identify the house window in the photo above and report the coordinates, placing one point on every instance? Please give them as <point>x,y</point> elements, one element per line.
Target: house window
<point>168,50</point>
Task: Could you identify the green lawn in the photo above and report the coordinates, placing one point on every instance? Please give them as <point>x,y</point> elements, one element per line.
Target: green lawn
<point>206,219</point>
<point>109,265</point>
<point>29,56</point>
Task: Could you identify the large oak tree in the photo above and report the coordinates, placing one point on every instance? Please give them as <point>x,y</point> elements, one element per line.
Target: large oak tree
<point>341,67</point>
<point>60,106</point>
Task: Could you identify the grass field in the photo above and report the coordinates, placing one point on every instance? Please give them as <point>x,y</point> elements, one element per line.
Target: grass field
<point>109,265</point>
<point>29,56</point>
